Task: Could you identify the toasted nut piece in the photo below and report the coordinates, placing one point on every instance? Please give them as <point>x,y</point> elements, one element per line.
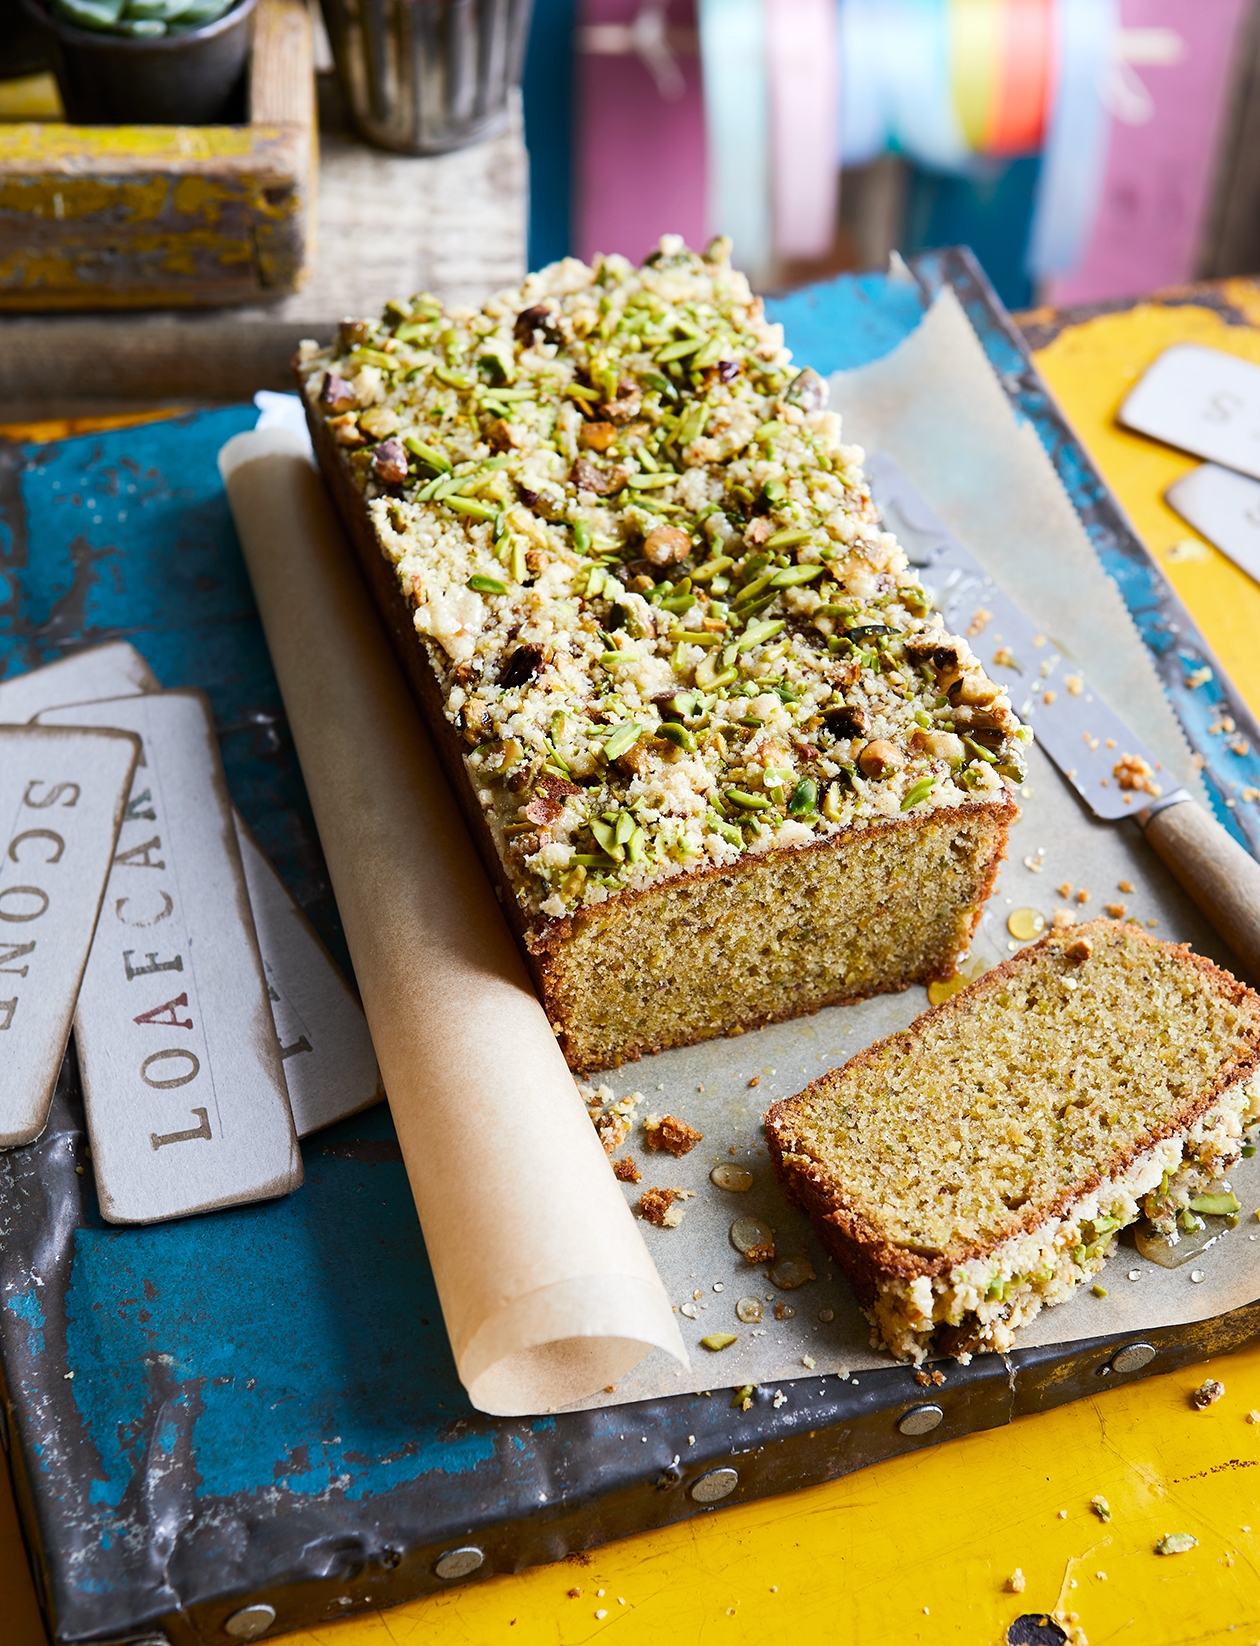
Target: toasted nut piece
<point>1206,1394</point>
<point>380,422</point>
<point>666,544</point>
<point>846,722</point>
<point>940,745</point>
<point>501,435</point>
<point>352,333</point>
<point>597,436</point>
<point>1078,951</point>
<point>587,478</point>
<point>335,394</point>
<point>880,758</point>
<point>389,462</point>
<point>345,430</point>
<point>628,403</point>
<point>974,688</point>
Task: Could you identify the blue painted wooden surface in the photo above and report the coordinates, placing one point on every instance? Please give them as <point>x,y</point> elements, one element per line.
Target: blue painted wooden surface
<point>280,1372</point>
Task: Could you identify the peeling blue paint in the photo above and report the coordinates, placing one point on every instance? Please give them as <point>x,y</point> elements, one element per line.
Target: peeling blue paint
<point>27,1307</point>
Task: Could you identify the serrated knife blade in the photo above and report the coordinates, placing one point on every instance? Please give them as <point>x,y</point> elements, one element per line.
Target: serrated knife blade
<point>1092,746</point>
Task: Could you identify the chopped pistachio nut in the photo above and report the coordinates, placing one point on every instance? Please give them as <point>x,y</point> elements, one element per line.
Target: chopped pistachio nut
<point>666,620</point>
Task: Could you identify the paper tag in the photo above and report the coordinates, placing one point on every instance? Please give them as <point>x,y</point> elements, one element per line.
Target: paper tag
<point>113,670</point>
<point>62,795</point>
<point>329,1062</point>
<point>1225,508</point>
<point>330,1065</point>
<point>1204,401</point>
<point>186,1100</point>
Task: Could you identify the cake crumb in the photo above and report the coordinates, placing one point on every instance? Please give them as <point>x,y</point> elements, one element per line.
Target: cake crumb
<point>1253,1416</point>
<point>656,1204</point>
<point>1061,920</point>
<point>980,618</point>
<point>1075,683</point>
<point>1132,772</point>
<point>755,1081</point>
<point>1065,890</point>
<point>1050,697</point>
<point>1016,1583</point>
<point>625,1170</point>
<point>761,1254</point>
<point>575,1594</point>
<point>1207,1394</point>
<point>1100,1506</point>
<point>1198,677</point>
<point>1082,896</point>
<point>1114,911</point>
<point>669,1135</point>
<point>1004,657</point>
<point>1124,886</point>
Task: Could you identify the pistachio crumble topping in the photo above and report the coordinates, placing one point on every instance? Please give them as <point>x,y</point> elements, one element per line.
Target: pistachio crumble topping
<point>650,578</point>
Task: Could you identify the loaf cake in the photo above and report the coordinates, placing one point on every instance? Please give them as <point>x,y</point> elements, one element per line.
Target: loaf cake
<point>981,1164</point>
<point>722,760</point>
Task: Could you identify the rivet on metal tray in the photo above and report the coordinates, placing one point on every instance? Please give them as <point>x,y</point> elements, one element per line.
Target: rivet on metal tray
<point>920,1420</point>
<point>250,1621</point>
<point>458,1562</point>
<point>711,1488</point>
<point>1132,1357</point>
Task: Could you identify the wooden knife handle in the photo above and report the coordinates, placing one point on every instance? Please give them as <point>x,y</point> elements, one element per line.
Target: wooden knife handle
<point>1221,877</point>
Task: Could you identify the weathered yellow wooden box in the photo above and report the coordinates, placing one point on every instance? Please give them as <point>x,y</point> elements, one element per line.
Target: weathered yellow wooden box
<point>147,216</point>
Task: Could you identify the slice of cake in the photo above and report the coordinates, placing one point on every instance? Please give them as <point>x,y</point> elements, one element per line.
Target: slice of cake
<point>723,762</point>
<point>981,1164</point>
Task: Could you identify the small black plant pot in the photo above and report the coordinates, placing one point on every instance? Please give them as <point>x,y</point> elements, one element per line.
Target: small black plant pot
<point>193,79</point>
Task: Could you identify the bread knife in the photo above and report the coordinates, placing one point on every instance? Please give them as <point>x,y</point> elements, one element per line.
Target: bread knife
<point>1075,726</point>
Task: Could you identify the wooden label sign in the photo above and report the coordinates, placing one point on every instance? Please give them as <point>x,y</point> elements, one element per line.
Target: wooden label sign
<point>62,795</point>
<point>329,1062</point>
<point>186,1100</point>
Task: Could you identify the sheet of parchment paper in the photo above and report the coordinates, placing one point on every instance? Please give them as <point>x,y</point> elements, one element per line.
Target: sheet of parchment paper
<point>935,406</point>
<point>546,1287</point>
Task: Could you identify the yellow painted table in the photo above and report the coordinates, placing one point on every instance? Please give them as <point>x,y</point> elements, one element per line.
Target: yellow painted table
<point>921,1548</point>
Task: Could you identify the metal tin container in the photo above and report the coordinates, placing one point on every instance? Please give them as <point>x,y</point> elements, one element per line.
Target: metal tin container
<point>426,76</point>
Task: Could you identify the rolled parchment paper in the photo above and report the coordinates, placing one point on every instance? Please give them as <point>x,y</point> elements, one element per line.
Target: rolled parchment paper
<point>547,1288</point>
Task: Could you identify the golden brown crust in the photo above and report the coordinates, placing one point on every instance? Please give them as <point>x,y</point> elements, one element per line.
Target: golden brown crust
<point>541,939</point>
<point>862,1250</point>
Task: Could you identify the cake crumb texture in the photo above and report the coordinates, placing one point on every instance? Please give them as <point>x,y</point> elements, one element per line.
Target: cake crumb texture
<point>982,1163</point>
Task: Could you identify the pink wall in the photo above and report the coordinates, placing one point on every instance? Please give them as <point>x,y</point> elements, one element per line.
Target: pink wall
<point>1158,176</point>
<point>640,169</point>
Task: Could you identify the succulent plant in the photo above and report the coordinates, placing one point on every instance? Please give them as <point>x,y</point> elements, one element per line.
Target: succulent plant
<point>141,19</point>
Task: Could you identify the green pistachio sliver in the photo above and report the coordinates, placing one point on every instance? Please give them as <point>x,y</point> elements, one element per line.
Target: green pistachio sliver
<point>1175,1543</point>
<point>692,424</point>
<point>788,538</point>
<point>757,634</point>
<point>581,537</point>
<point>711,569</point>
<point>636,845</point>
<point>486,585</point>
<point>678,735</point>
<point>804,798</point>
<point>977,752</point>
<point>624,737</point>
<point>579,391</point>
<point>427,454</point>
<point>605,835</point>
<point>790,576</point>
<point>835,611</point>
<point>373,357</point>
<point>1215,1205</point>
<point>679,351</point>
<point>625,828</point>
<point>920,791</point>
<point>749,802</point>
<point>1247,1150</point>
<point>696,637</point>
<point>592,860</point>
<point>710,354</point>
<point>649,482</point>
<point>454,379</point>
<point>471,507</point>
<point>719,1340</point>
